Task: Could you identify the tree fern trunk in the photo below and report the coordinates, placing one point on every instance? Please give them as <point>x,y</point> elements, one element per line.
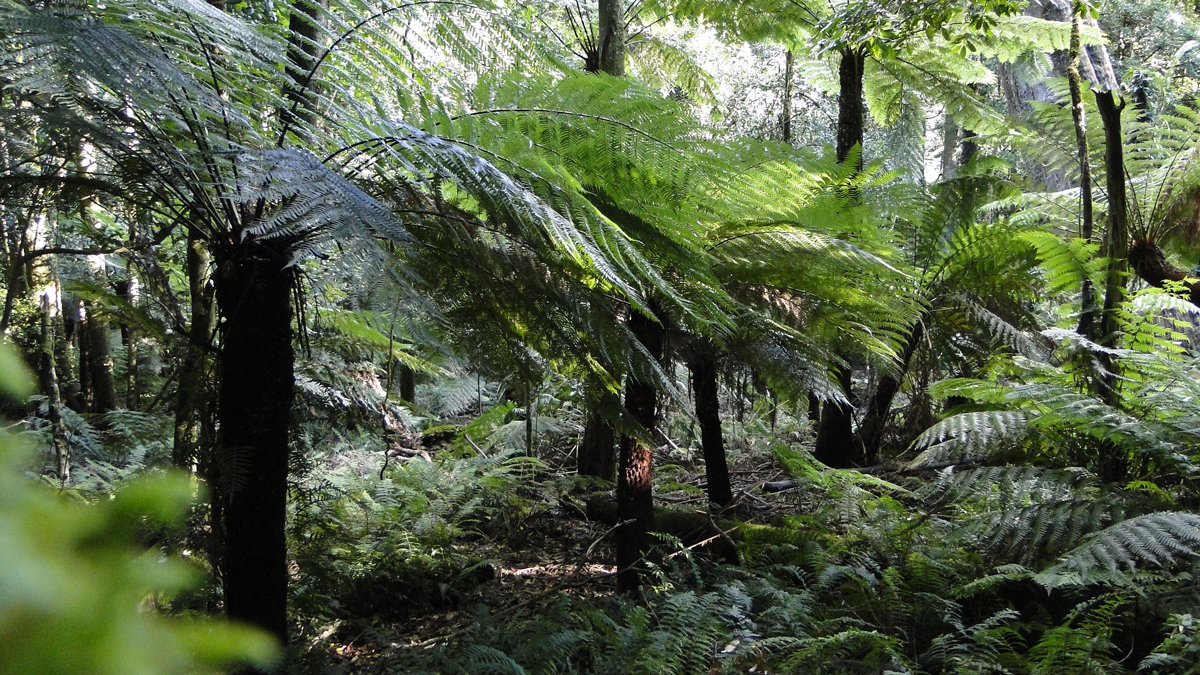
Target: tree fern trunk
<point>836,445</point>
<point>1116,240</point>
<point>635,473</point>
<point>254,296</point>
<point>1088,326</point>
<point>611,36</point>
<point>708,414</point>
<point>874,422</point>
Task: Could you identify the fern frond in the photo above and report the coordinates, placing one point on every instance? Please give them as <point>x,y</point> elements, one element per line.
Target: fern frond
<point>1115,554</point>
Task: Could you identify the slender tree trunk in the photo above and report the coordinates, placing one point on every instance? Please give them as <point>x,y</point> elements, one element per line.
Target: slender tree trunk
<point>635,472</point>
<point>1087,316</point>
<point>254,296</point>
<point>99,361</point>
<point>193,387</point>
<point>1116,240</point>
<point>789,60</point>
<point>836,445</point>
<point>708,414</point>
<point>130,335</point>
<point>49,382</point>
<point>879,408</point>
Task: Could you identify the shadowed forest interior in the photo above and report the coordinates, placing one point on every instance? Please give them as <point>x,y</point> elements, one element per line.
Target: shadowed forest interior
<point>593,336</point>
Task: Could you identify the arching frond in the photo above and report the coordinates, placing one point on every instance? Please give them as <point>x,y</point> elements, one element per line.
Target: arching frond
<point>1117,553</point>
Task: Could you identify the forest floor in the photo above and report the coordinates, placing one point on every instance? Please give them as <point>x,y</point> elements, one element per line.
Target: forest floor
<point>532,560</point>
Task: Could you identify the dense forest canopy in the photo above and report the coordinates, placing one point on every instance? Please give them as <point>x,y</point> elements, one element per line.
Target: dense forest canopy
<point>559,336</point>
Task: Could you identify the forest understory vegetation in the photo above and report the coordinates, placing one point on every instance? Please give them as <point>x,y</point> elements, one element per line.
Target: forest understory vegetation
<point>547,337</point>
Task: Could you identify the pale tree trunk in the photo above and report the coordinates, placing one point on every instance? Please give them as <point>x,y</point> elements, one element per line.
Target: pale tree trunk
<point>49,381</point>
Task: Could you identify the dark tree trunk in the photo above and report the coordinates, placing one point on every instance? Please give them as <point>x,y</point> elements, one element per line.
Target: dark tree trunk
<point>254,296</point>
<point>1088,326</point>
<point>635,503</point>
<point>408,384</point>
<point>1151,266</point>
<point>1116,240</point>
<point>708,414</point>
<point>850,103</point>
<point>789,60</point>
<point>103,390</point>
<point>191,419</point>
<point>879,408</point>
<point>836,445</point>
<point>597,448</point>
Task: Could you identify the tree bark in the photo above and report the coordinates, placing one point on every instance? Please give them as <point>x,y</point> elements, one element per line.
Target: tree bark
<point>850,104</point>
<point>835,444</point>
<point>635,473</point>
<point>191,398</point>
<point>789,60</point>
<point>254,296</point>
<point>1150,264</point>
<point>611,37</point>
<point>103,389</point>
<point>49,382</point>
<point>874,422</point>
<point>1116,240</point>
<point>708,414</point>
<point>1087,315</point>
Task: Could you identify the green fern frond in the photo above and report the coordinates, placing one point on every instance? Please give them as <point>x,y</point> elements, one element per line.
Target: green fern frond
<point>1115,554</point>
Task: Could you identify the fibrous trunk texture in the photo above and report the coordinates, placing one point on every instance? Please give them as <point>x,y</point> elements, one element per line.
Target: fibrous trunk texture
<point>635,503</point>
<point>254,296</point>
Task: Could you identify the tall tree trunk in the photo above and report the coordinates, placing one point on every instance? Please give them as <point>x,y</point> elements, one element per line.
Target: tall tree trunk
<point>49,382</point>
<point>1087,316</point>
<point>635,472</point>
<point>103,387</point>
<point>255,366</point>
<point>129,333</point>
<point>789,60</point>
<point>835,445</point>
<point>708,413</point>
<point>1116,240</point>
<point>193,383</point>
<point>879,408</point>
